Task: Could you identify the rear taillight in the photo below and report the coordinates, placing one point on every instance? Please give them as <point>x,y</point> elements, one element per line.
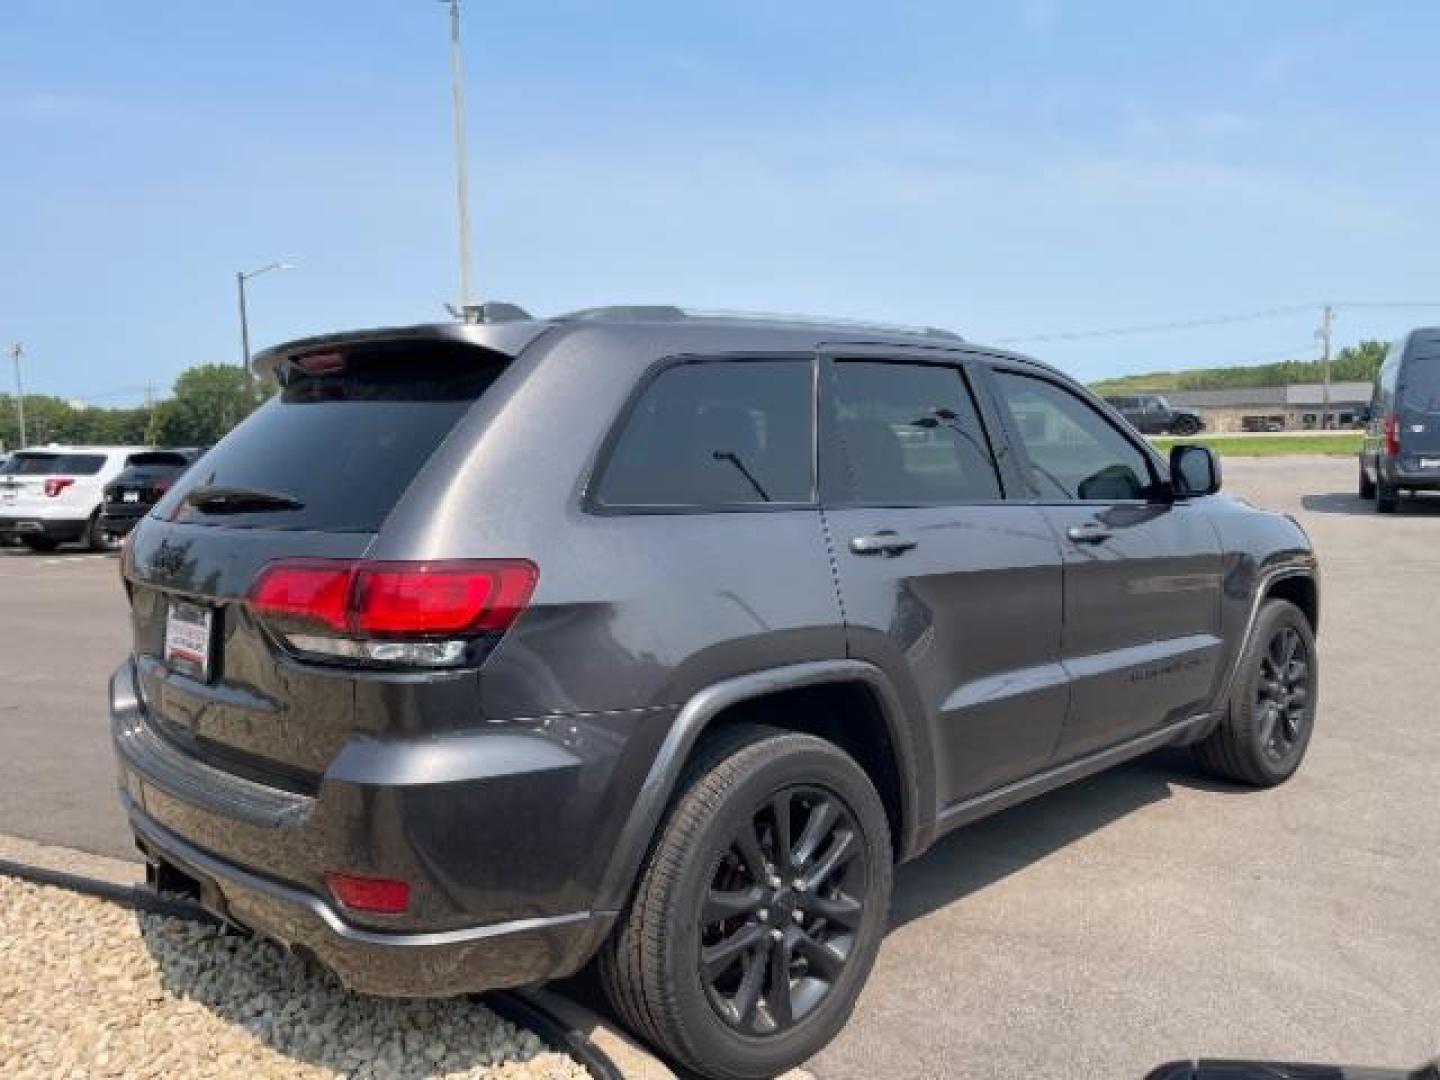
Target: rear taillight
<point>56,484</point>
<point>1392,434</point>
<point>161,486</point>
<point>422,614</point>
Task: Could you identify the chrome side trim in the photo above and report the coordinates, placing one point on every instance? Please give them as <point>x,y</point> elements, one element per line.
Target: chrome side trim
<point>963,813</point>
<point>187,856</point>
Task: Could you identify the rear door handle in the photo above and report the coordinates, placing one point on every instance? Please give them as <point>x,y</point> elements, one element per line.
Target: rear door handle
<point>1092,532</point>
<point>884,542</point>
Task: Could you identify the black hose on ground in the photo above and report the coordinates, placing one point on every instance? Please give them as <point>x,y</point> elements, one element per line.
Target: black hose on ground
<point>518,1010</point>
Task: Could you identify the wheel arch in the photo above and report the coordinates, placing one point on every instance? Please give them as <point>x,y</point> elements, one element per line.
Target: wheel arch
<point>871,726</point>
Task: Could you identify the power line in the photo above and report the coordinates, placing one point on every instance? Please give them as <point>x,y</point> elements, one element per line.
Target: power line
<point>1159,328</point>
<point>1217,320</point>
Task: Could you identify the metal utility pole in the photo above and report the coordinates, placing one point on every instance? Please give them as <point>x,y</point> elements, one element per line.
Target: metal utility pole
<point>16,352</point>
<point>462,180</point>
<point>240,278</point>
<point>1327,319</point>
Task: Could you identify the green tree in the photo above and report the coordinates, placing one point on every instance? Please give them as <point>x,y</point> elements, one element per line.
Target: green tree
<point>208,401</point>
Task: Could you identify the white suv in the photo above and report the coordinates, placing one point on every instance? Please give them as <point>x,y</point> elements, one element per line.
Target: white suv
<point>51,495</point>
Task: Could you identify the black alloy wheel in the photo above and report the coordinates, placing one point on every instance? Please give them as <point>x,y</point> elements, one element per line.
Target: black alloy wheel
<point>782,909</point>
<point>1282,694</point>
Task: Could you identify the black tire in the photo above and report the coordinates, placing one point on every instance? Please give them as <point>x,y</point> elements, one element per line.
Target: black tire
<point>1387,498</point>
<point>40,543</point>
<point>1271,712</point>
<point>1185,425</point>
<point>96,538</point>
<point>652,967</point>
<point>1367,486</point>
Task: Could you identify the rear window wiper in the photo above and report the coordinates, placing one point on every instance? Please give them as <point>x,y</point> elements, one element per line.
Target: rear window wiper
<point>235,500</point>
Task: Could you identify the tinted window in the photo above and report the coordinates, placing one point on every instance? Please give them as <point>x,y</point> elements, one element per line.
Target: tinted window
<point>158,457</point>
<point>1420,379</point>
<point>717,433</point>
<point>1074,452</point>
<point>910,434</point>
<point>57,464</point>
<point>345,436</point>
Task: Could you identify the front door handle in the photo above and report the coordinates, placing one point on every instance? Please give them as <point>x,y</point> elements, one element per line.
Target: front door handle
<point>884,542</point>
<point>1092,532</point>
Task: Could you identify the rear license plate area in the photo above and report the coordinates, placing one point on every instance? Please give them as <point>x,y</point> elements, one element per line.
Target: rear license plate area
<point>1430,463</point>
<point>130,496</point>
<point>189,634</point>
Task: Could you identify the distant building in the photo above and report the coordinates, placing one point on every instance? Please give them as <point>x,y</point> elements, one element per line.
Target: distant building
<point>1269,408</point>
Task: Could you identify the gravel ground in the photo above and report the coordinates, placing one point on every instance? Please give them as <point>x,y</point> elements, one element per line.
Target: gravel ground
<point>89,989</point>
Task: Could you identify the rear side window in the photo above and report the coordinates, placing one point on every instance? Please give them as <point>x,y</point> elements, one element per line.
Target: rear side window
<point>343,439</point>
<point>910,435</point>
<point>1420,378</point>
<point>57,464</point>
<point>715,434</point>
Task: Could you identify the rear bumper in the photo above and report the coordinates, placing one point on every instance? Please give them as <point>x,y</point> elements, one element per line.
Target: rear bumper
<point>58,529</point>
<point>496,899</point>
<point>120,522</point>
<point>397,964</point>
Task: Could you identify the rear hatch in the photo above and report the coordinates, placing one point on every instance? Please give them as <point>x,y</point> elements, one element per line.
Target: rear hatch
<point>147,477</point>
<point>311,475</point>
<point>1418,405</point>
<point>46,481</point>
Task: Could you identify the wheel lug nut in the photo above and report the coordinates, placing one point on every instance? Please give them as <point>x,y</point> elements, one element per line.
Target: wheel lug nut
<point>798,884</point>
<point>798,915</point>
<point>763,914</point>
<point>776,934</point>
<point>773,881</point>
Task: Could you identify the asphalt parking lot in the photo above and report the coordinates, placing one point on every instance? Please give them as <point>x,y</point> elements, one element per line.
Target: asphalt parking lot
<point>1144,915</point>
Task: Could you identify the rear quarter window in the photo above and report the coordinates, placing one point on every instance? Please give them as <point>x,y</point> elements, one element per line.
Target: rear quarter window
<point>347,433</point>
<point>714,434</point>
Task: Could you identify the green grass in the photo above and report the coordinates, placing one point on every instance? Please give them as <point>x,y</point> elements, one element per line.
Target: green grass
<point>1335,443</point>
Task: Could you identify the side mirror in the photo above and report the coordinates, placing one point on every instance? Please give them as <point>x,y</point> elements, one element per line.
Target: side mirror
<point>1194,470</point>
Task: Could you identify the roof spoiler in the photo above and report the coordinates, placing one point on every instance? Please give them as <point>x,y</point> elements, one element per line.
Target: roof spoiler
<point>505,337</point>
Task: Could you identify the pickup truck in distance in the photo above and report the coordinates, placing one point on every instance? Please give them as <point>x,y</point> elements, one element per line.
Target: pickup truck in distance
<point>485,651</point>
<point>1151,414</point>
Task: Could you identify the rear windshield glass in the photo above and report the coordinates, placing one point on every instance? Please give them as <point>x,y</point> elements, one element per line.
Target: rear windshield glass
<point>1420,379</point>
<point>157,457</point>
<point>56,464</point>
<point>342,440</point>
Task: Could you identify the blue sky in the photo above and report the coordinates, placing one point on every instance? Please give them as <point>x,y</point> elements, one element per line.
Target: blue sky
<point>1007,169</point>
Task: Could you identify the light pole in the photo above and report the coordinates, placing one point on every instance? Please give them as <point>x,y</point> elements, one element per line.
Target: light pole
<point>240,278</point>
<point>462,181</point>
<point>16,352</point>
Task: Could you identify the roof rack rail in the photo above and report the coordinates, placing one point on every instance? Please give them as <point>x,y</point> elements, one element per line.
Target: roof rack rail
<point>673,313</point>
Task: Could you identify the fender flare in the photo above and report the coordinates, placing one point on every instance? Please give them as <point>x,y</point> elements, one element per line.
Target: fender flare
<point>915,768</point>
<point>1266,580</point>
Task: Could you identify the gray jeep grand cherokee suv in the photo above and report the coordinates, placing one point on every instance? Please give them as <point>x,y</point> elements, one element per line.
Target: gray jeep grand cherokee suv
<point>483,650</point>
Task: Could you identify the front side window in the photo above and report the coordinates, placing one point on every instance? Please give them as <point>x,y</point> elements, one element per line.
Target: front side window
<point>910,435</point>
<point>1074,452</point>
<point>716,433</point>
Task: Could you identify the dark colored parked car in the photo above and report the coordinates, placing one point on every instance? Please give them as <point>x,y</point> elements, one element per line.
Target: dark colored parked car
<point>1401,449</point>
<point>129,497</point>
<point>1151,414</point>
<point>482,651</point>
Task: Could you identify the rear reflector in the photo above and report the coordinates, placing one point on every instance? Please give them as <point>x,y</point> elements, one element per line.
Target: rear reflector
<point>380,896</point>
<point>390,612</point>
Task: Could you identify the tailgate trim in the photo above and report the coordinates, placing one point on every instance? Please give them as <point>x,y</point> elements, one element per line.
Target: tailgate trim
<point>167,767</point>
